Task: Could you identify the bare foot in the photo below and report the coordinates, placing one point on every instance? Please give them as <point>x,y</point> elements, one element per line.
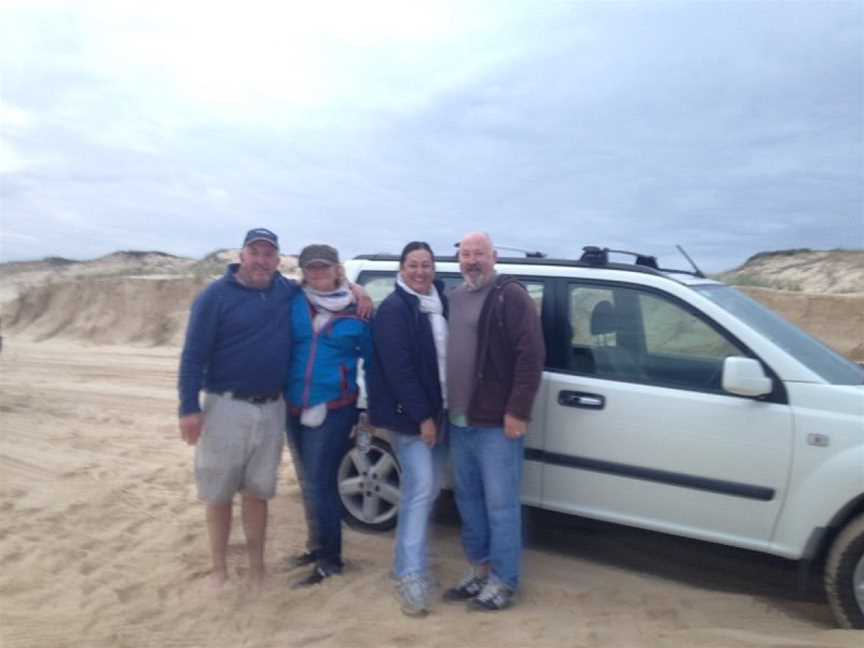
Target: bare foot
<point>257,580</point>
<point>218,581</point>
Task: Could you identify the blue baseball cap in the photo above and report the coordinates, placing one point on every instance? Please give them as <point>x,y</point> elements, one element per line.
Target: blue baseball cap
<point>261,234</point>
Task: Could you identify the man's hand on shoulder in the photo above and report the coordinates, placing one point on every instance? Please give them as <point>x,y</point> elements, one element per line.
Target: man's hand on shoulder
<point>190,427</point>
<point>514,427</point>
<point>365,305</point>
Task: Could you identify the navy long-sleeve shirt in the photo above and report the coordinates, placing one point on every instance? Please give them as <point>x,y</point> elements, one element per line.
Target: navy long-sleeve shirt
<point>238,339</point>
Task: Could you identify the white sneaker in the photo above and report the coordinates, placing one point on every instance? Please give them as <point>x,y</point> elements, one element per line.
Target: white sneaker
<point>413,596</point>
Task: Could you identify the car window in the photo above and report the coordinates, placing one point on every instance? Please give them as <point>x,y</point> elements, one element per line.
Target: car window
<point>380,284</point>
<point>535,290</point>
<point>635,335</point>
<point>817,357</point>
<point>671,330</point>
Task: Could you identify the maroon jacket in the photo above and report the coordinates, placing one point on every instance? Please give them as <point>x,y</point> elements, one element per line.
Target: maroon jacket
<point>510,355</point>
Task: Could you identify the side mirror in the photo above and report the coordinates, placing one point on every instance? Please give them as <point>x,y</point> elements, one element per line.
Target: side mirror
<point>745,377</point>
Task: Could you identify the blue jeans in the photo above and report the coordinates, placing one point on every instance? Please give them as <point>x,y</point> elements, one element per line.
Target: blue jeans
<point>487,469</point>
<point>422,469</point>
<point>320,450</point>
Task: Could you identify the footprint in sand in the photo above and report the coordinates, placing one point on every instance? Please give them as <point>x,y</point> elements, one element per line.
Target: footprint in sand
<point>88,568</point>
<point>134,526</point>
<point>124,594</point>
<point>13,557</point>
<point>198,575</point>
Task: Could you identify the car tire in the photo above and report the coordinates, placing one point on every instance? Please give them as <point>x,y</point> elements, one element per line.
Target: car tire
<point>844,575</point>
<point>370,487</point>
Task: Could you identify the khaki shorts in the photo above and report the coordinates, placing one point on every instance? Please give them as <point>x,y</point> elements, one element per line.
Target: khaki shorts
<point>240,449</point>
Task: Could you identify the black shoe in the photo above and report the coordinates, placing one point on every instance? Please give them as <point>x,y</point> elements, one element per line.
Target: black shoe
<point>321,572</point>
<point>467,589</point>
<point>303,559</point>
<point>494,596</point>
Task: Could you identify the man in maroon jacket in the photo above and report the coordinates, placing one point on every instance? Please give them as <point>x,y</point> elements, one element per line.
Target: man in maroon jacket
<point>495,355</point>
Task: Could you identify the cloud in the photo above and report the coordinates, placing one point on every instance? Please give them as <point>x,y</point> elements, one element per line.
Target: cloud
<point>551,125</point>
<point>10,161</point>
<point>13,118</point>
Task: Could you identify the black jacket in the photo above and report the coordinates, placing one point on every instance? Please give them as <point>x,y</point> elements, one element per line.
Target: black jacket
<point>403,387</point>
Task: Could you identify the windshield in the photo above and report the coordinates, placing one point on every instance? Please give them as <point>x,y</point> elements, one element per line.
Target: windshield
<point>817,357</point>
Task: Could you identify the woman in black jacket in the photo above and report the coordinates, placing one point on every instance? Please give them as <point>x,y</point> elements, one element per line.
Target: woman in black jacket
<point>407,396</point>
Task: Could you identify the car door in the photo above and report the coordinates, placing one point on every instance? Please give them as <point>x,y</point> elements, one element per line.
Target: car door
<point>639,430</point>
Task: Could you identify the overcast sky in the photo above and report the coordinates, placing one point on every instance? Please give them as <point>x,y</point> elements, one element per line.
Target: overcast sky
<point>728,127</point>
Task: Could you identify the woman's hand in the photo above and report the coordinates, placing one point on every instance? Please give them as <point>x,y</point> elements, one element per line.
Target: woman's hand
<point>428,432</point>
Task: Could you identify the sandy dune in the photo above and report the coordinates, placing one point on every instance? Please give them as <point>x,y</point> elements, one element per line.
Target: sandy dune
<point>144,297</point>
<point>812,271</point>
<point>152,310</point>
<point>103,544</point>
<point>836,320</point>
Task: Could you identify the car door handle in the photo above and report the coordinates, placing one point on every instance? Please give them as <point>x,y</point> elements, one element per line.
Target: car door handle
<point>581,399</point>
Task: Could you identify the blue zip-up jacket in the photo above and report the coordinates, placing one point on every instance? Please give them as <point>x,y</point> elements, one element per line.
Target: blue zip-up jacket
<point>323,367</point>
<point>404,388</point>
<point>238,339</point>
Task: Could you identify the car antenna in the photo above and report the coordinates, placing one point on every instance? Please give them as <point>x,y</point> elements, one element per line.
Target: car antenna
<point>528,253</point>
<point>699,273</point>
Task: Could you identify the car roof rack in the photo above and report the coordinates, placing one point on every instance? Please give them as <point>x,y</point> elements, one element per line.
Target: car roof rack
<point>597,256</point>
<point>529,254</point>
<point>592,256</point>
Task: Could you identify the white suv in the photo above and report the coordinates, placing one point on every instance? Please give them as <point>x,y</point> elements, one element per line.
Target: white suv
<point>675,403</point>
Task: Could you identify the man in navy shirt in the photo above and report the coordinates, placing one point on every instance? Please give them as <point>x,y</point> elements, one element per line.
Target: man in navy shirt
<point>237,345</point>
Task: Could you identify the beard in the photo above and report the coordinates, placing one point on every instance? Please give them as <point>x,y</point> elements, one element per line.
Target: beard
<point>478,281</point>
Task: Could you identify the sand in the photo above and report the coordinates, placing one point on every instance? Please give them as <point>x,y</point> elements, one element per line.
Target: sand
<point>103,544</point>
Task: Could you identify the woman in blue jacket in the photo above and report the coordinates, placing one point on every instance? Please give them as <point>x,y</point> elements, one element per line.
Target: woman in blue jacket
<point>406,396</point>
<point>328,338</point>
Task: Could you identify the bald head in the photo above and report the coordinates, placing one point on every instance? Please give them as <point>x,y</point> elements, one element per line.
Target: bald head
<point>477,238</point>
<point>477,259</point>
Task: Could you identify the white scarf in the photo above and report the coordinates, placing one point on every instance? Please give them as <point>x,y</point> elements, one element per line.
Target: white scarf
<point>432,306</point>
<point>326,304</point>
